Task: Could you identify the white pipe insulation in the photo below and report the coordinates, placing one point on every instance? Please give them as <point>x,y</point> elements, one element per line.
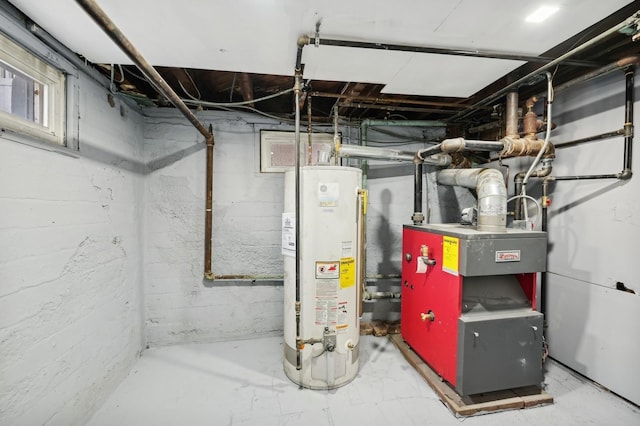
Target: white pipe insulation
<point>491,190</point>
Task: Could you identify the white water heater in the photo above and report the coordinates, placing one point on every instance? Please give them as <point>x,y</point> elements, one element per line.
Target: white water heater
<point>325,354</point>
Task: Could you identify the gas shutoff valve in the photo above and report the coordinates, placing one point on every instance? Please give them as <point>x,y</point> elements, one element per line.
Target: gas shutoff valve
<point>329,340</point>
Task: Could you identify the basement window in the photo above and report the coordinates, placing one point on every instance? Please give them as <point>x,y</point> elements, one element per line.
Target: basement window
<point>278,149</point>
<point>32,95</point>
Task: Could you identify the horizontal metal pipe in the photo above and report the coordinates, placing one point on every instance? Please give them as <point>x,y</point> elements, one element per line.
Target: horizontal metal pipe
<point>601,136</point>
<point>404,123</point>
<point>632,20</point>
<point>386,100</point>
<point>445,51</point>
<point>276,277</point>
<point>377,295</point>
<point>585,177</point>
<point>355,151</point>
<point>394,108</point>
<point>460,145</point>
<point>619,64</point>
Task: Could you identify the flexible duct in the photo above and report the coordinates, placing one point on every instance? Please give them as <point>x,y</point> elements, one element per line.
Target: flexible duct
<point>491,190</point>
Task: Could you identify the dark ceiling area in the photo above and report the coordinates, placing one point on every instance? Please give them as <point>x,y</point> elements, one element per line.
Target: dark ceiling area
<point>355,101</point>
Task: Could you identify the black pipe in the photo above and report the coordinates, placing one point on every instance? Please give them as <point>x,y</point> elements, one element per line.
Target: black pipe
<point>517,214</point>
<point>446,51</point>
<point>543,276</point>
<point>561,59</point>
<point>587,177</point>
<point>628,122</point>
<point>621,63</point>
<point>601,136</point>
<point>418,217</point>
<point>303,40</point>
<point>424,153</point>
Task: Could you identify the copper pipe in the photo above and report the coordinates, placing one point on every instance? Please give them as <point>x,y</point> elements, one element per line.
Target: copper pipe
<point>309,133</point>
<point>511,118</point>
<point>208,217</point>
<point>384,100</point>
<point>114,33</point>
<point>620,63</point>
<point>632,20</point>
<point>530,119</point>
<point>362,251</point>
<point>156,80</point>
<point>395,108</point>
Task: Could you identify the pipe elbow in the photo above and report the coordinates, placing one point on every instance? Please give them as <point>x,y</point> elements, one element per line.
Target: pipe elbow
<point>629,60</point>
<point>492,201</point>
<point>625,174</point>
<point>453,145</point>
<point>303,40</point>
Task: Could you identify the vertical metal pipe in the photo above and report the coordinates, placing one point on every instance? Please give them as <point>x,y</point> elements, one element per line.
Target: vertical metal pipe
<point>296,90</point>
<point>511,119</point>
<point>418,216</point>
<point>208,217</point>
<point>628,122</point>
<point>309,131</point>
<point>160,85</point>
<point>543,276</point>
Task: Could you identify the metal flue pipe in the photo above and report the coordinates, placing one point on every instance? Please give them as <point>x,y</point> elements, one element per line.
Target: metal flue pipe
<point>491,190</point>
<point>114,33</point>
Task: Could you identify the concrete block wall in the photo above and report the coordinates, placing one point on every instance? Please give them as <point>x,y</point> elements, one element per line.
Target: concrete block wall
<point>180,305</point>
<point>70,266</point>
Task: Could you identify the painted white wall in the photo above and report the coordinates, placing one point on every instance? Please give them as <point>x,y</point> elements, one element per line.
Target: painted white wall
<point>594,229</point>
<point>70,266</point>
<point>180,305</point>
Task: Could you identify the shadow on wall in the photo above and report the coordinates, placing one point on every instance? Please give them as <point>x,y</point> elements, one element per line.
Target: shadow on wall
<point>104,156</point>
<point>448,204</point>
<point>385,309</point>
<point>386,237</point>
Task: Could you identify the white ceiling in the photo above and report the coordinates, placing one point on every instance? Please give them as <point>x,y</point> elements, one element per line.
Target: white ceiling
<point>259,36</point>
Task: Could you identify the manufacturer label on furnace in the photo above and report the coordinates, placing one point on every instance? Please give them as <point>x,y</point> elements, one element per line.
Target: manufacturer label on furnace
<point>507,256</point>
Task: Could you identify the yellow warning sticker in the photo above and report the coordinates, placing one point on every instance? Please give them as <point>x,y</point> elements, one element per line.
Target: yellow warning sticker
<point>347,272</point>
<point>450,254</point>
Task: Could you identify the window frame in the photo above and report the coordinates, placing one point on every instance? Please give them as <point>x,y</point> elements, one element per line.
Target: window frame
<point>29,63</point>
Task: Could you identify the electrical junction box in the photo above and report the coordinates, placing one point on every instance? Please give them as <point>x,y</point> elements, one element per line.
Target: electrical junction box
<point>468,300</point>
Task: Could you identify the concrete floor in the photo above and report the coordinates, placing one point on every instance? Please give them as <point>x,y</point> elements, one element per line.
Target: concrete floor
<point>243,383</point>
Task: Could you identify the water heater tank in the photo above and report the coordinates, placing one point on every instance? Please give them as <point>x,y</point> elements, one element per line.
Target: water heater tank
<point>329,281</point>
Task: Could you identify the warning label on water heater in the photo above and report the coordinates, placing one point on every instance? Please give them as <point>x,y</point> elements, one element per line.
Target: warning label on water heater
<point>327,270</point>
<point>347,272</point>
